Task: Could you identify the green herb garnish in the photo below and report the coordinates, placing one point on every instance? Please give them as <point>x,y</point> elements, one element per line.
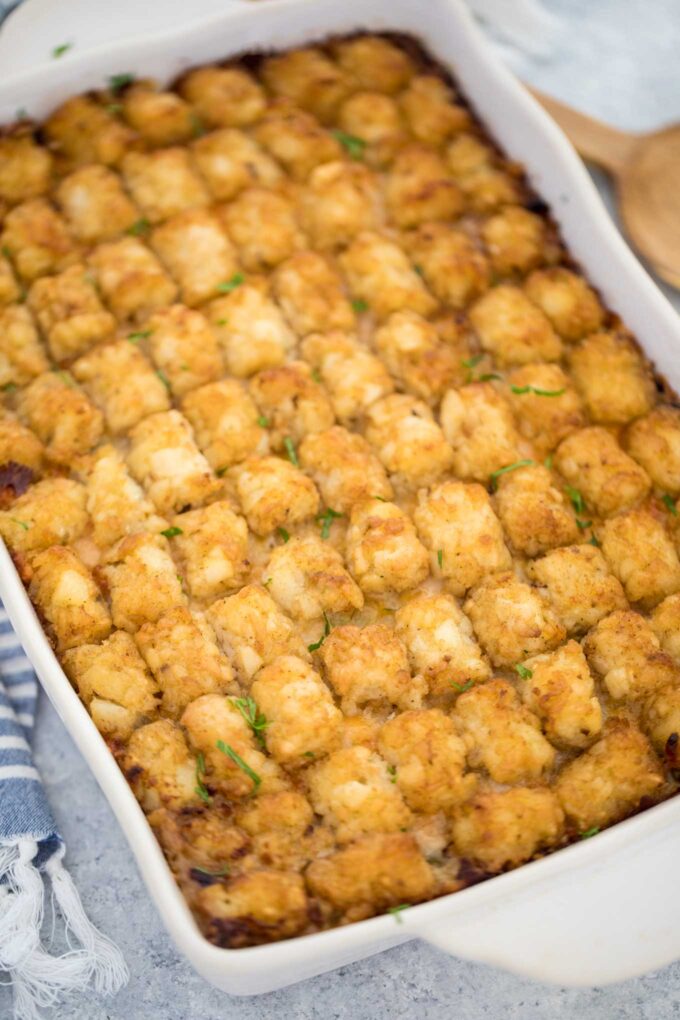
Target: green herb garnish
<point>583,524</point>
<point>6,252</point>
<point>253,717</point>
<point>114,108</point>
<point>381,498</point>
<point>669,503</point>
<point>59,51</point>
<point>397,911</point>
<point>595,541</point>
<point>171,532</point>
<point>201,789</point>
<point>285,535</point>
<point>213,874</point>
<point>488,376</point>
<point>354,146</point>
<point>139,227</point>
<point>141,334</point>
<point>238,760</point>
<point>66,379</point>
<point>197,125</point>
<point>359,305</point>
<point>495,475</point>
<point>548,462</point>
<point>470,364</point>
<point>119,81</point>
<point>326,631</point>
<point>523,671</point>
<point>440,557</point>
<point>308,754</point>
<point>290,450</point>
<point>536,391</point>
<point>231,284</point>
<point>22,524</point>
<point>316,375</point>
<point>326,519</point>
<point>462,688</point>
<point>577,500</point>
<point>163,378</point>
<point>590,832</point>
<point>263,422</point>
<point>9,387</point>
<point>392,771</point>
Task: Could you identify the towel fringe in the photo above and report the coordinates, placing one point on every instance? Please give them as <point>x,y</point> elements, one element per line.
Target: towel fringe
<point>37,977</point>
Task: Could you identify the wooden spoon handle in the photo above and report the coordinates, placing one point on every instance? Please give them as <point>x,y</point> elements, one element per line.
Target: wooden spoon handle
<point>595,141</point>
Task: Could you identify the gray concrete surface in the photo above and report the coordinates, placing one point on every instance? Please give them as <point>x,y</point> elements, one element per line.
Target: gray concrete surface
<point>616,59</point>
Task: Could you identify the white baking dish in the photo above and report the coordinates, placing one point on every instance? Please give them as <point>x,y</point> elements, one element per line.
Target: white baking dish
<point>594,913</point>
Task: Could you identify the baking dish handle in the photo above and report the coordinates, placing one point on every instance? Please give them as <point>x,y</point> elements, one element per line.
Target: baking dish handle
<point>613,918</point>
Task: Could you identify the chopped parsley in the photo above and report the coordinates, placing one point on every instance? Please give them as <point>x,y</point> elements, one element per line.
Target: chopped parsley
<point>595,541</point>
<point>308,754</point>
<point>360,305</point>
<point>285,535</point>
<point>669,503</point>
<point>163,378</point>
<point>326,519</point>
<point>197,125</point>
<point>267,582</point>
<point>213,874</point>
<point>440,557</point>
<point>397,911</point>
<point>9,387</point>
<point>590,832</point>
<point>583,524</point>
<point>353,145</point>
<point>577,500</point>
<point>263,422</point>
<point>470,364</point>
<point>141,334</point>
<point>392,772</point>
<point>171,532</point>
<point>548,462</point>
<point>316,375</point>
<point>119,81</point>
<point>290,450</point>
<point>221,472</point>
<point>139,227</point>
<point>488,376</point>
<point>253,717</point>
<point>419,270</point>
<point>238,760</point>
<point>461,688</point>
<point>523,671</point>
<point>22,524</point>
<point>519,390</point>
<point>6,252</point>
<point>66,379</point>
<point>381,498</point>
<point>59,51</point>
<point>201,789</point>
<point>495,475</point>
<point>114,108</point>
<point>326,631</point>
<point>231,284</point>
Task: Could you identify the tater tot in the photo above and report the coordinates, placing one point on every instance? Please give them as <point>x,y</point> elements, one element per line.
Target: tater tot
<point>414,354</point>
<point>440,643</point>
<point>197,253</point>
<point>368,667</point>
<point>229,160</point>
<point>274,493</point>
<point>559,688</point>
<point>251,330</point>
<point>263,226</point>
<point>535,513</point>
<point>478,423</point>
<point>142,580</point>
<point>502,735</point>
<point>354,377</point>
<point>309,579</point>
<point>225,422</point>
<point>68,598</point>
<point>22,356</point>
<point>223,96</point>
<point>95,205</point>
<point>310,293</point>
<point>408,440</point>
<point>609,480</point>
<point>512,329</point>
<point>131,279</point>
<point>580,587</point>
<point>292,403</point>
<point>419,189</point>
<point>640,552</point>
<point>51,512</point>
<point>546,405</point>
<point>612,378</point>
<point>340,200</point>
<point>624,650</point>
<point>453,266</point>
<point>512,620</point>
<point>570,304</point>
<point>38,239</point>
<point>654,441</point>
<point>212,543</point>
<point>70,315</point>
<point>431,111</point>
<point>383,551</point>
<point>296,139</point>
<point>308,78</point>
<point>61,416</point>
<point>163,183</point>
<point>344,467</point>
<point>380,274</point>
<point>462,534</point>
<point>184,348</point>
<point>122,382</point>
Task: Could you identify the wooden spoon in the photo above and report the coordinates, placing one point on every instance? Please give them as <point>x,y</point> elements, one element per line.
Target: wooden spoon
<point>646,171</point>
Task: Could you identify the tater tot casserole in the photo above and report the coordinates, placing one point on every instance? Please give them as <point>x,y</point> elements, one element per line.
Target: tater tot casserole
<point>349,509</point>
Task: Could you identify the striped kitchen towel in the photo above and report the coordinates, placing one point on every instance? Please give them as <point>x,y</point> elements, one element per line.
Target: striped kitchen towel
<point>31,853</point>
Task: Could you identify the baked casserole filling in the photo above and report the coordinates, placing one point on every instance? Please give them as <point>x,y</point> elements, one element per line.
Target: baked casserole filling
<point>347,506</point>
